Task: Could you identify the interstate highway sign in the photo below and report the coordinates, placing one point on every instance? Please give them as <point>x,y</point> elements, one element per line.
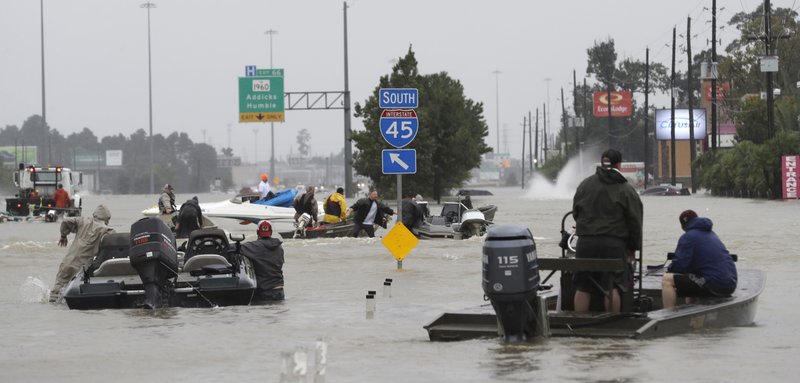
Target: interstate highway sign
<point>261,97</point>
<point>399,161</point>
<point>398,98</point>
<point>399,127</point>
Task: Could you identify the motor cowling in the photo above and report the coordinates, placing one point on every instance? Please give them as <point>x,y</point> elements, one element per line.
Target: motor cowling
<point>154,256</point>
<point>511,279</point>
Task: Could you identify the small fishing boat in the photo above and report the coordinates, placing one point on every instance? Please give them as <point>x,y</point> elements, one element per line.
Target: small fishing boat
<point>456,221</point>
<point>523,306</point>
<point>144,269</point>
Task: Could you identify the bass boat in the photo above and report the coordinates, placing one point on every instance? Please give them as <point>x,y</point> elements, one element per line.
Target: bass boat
<point>144,269</point>
<point>523,306</point>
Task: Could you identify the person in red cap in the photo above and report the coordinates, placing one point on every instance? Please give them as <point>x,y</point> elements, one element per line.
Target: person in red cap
<point>266,255</point>
<point>608,221</point>
<point>701,266</point>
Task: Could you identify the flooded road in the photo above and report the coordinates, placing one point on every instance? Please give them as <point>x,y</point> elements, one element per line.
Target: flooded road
<point>327,279</point>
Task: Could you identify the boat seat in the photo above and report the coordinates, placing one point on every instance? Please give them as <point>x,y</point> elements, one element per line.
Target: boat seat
<point>206,241</point>
<point>198,262</point>
<point>113,246</point>
<point>115,267</point>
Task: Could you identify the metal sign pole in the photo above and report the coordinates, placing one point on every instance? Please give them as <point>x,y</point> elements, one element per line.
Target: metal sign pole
<point>399,198</point>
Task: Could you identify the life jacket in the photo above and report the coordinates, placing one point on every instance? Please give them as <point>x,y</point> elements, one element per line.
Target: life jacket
<point>332,207</point>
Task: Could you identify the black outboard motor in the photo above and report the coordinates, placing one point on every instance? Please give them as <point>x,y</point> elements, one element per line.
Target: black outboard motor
<point>511,280</point>
<point>155,258</point>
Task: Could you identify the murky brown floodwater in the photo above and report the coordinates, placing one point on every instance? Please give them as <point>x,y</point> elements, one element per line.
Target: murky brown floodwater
<point>326,282</point>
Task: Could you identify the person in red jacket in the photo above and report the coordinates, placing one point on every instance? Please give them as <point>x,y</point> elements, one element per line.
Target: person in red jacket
<point>61,197</point>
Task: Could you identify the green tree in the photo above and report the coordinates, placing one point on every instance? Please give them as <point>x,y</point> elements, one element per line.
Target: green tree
<point>450,140</point>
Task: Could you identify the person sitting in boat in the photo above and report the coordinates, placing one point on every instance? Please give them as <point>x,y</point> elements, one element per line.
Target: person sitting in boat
<point>61,197</point>
<point>266,255</point>
<point>263,188</point>
<point>335,207</point>
<point>701,266</point>
<point>368,211</point>
<point>306,203</point>
<point>89,232</point>
<point>412,212</point>
<point>190,218</point>
<point>608,221</point>
<point>166,205</point>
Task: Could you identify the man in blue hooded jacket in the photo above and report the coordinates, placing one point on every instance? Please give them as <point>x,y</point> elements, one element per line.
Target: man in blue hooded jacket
<point>701,267</point>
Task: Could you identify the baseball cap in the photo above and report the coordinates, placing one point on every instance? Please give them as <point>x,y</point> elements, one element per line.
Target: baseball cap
<point>264,229</point>
<point>686,217</point>
<point>610,157</point>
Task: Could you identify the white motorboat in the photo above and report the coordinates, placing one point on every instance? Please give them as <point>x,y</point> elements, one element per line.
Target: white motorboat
<point>245,208</point>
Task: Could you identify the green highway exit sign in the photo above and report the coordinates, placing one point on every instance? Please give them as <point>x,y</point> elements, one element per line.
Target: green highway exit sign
<point>261,96</point>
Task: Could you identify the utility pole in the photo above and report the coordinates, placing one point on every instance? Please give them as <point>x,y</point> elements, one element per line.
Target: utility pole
<point>536,140</point>
<point>646,112</point>
<point>271,124</point>
<point>768,52</point>
<point>714,75</point>
<point>611,140</point>
<point>150,95</point>
<point>348,146</point>
<point>692,146</point>
<point>523,151</point>
<point>544,131</point>
<point>563,124</point>
<point>575,109</point>
<point>530,142</point>
<point>672,112</point>
<point>255,146</point>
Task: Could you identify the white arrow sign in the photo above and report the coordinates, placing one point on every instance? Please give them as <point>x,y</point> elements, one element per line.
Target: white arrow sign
<point>395,158</point>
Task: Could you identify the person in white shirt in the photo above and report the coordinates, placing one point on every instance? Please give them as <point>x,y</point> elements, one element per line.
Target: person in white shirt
<point>263,188</point>
<point>368,211</point>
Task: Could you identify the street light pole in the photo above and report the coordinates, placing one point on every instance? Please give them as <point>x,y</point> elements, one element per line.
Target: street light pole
<point>44,109</point>
<point>349,188</point>
<point>150,94</point>
<point>271,124</point>
<point>497,110</point>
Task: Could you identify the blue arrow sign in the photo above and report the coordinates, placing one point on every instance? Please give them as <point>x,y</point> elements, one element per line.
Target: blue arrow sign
<point>398,98</point>
<point>399,127</point>
<point>399,161</point>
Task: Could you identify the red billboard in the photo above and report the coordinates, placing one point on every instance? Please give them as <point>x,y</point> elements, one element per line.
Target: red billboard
<point>621,104</point>
<point>789,179</point>
<point>722,89</point>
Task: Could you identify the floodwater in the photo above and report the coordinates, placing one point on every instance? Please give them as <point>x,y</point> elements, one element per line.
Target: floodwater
<point>326,283</point>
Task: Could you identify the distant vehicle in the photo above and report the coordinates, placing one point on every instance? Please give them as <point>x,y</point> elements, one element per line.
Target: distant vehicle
<point>35,187</point>
<point>665,190</point>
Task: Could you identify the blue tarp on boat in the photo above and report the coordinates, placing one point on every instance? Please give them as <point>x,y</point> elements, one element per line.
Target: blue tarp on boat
<point>282,198</point>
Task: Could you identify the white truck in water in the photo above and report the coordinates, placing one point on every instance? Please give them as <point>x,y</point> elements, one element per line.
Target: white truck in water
<point>35,188</point>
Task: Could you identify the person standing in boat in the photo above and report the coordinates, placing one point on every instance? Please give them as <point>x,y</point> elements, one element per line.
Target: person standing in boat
<point>89,232</point>
<point>266,255</point>
<point>264,189</point>
<point>608,221</point>
<point>306,203</point>
<point>166,205</point>
<point>701,266</point>
<point>335,207</point>
<point>368,211</point>
<point>190,218</point>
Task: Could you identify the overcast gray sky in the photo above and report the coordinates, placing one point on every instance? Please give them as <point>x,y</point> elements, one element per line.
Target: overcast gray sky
<point>96,58</point>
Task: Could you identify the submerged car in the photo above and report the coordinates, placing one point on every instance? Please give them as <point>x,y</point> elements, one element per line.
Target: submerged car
<point>665,190</point>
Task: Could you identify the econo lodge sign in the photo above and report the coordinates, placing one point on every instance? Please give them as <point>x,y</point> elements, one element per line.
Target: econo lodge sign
<point>621,104</point>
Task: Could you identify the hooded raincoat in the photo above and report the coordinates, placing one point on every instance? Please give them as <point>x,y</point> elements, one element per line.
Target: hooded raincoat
<point>702,253</point>
<point>89,231</point>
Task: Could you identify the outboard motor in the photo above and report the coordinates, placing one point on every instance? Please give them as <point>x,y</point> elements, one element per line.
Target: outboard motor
<point>155,258</point>
<point>511,280</point>
<point>302,223</point>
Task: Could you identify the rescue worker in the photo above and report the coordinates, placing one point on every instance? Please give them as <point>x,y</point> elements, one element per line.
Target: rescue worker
<point>412,212</point>
<point>166,205</point>
<point>335,207</point>
<point>61,197</point>
<point>266,255</point>
<point>89,232</point>
<point>190,218</point>
<point>368,211</point>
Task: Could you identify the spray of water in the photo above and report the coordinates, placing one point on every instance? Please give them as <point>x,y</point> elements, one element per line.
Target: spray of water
<point>563,187</point>
<point>34,290</point>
